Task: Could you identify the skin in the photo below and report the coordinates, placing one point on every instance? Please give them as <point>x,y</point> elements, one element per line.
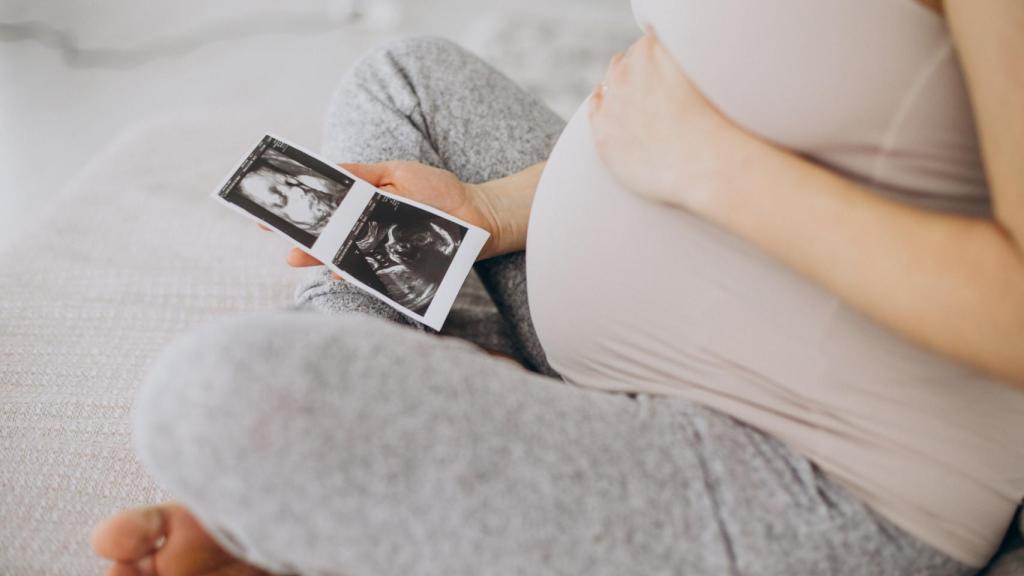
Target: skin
<point>502,207</point>
<point>950,283</point>
<point>953,284</point>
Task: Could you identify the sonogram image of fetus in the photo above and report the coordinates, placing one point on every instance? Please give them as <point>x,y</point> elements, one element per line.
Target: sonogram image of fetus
<point>409,256</point>
<point>295,193</point>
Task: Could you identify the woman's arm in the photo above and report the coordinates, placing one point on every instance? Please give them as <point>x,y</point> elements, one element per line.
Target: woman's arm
<point>989,37</point>
<point>501,207</point>
<point>507,203</point>
<point>954,284</point>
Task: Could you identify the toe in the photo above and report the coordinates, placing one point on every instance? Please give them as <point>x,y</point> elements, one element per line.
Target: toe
<point>130,535</point>
<point>189,548</point>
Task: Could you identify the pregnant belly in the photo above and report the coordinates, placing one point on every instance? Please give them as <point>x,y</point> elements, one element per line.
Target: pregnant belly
<point>624,291</point>
<point>631,296</point>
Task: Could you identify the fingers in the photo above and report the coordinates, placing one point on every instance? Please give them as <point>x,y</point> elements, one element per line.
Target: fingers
<point>645,44</point>
<point>622,64</point>
<point>616,58</point>
<point>642,49</point>
<point>264,227</point>
<point>189,548</point>
<point>376,174</point>
<point>597,96</point>
<point>614,69</point>
<point>300,259</point>
<point>597,99</point>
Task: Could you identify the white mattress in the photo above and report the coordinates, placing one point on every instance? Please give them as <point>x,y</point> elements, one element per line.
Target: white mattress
<point>132,254</point>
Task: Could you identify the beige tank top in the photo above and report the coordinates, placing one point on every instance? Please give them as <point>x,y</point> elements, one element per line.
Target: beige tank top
<point>631,296</point>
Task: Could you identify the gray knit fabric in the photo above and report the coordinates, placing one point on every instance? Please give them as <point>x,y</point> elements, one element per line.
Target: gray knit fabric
<point>349,444</point>
<point>1011,564</point>
<point>430,101</point>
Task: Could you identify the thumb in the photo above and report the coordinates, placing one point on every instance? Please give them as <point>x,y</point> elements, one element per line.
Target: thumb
<point>377,174</point>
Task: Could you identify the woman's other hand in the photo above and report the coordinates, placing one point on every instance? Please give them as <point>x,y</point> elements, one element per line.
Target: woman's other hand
<point>656,133</point>
<point>432,186</point>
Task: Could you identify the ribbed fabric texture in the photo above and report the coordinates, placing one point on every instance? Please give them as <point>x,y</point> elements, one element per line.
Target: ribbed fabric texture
<point>131,255</point>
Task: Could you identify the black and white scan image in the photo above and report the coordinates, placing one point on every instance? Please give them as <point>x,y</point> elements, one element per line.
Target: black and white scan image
<point>401,251</point>
<point>288,189</point>
<point>410,255</point>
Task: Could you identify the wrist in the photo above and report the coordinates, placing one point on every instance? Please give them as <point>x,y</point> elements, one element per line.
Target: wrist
<point>733,168</point>
<point>704,163</point>
<point>484,200</point>
<point>504,206</point>
<point>755,184</point>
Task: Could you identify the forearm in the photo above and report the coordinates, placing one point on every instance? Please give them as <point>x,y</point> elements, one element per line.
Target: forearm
<point>954,284</point>
<point>507,202</point>
<point>989,38</point>
<point>951,283</point>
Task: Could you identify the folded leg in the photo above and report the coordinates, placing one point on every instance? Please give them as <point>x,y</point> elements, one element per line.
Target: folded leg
<point>428,100</point>
<point>352,446</point>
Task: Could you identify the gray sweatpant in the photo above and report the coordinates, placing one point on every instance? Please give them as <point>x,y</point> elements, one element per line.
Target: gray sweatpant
<point>342,443</point>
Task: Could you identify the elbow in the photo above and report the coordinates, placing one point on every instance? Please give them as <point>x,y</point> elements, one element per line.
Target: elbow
<point>1011,229</point>
<point>1012,348</point>
<point>998,331</point>
<point>1016,372</point>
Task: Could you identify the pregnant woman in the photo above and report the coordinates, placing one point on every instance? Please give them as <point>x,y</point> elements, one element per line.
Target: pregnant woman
<point>776,320</point>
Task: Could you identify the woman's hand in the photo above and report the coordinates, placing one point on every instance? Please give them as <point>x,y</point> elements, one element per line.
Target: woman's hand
<point>658,135</point>
<point>953,284</point>
<point>432,186</point>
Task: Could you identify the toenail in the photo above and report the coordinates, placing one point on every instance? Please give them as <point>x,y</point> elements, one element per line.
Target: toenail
<point>152,520</point>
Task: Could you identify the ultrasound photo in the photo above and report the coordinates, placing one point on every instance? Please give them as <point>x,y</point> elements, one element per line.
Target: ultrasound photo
<point>410,255</point>
<point>288,189</point>
<point>401,250</point>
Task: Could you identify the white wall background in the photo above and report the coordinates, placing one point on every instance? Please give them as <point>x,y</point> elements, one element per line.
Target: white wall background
<point>75,74</point>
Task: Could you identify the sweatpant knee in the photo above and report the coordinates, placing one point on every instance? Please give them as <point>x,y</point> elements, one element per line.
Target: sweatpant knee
<point>177,414</point>
<point>231,397</point>
<point>212,397</point>
<point>391,72</point>
<point>417,50</point>
<point>413,53</point>
<point>228,410</point>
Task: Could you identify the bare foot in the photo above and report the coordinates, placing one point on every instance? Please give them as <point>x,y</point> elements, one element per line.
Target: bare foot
<point>163,540</point>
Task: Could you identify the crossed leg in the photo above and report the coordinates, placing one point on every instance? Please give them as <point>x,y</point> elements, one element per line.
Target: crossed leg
<point>420,99</point>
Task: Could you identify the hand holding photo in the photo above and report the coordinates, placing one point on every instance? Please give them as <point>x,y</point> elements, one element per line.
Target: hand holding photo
<point>410,255</point>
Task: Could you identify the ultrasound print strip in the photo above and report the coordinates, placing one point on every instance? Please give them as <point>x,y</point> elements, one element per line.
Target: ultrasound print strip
<point>401,250</point>
<point>416,257</point>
